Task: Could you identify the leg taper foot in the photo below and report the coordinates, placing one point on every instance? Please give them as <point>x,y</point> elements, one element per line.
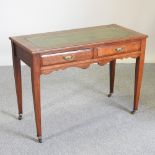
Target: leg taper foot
<point>20,116</point>
<point>133,112</point>
<point>40,139</point>
<point>110,94</point>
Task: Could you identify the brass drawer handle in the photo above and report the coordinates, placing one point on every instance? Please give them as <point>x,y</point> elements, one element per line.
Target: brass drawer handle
<point>68,57</point>
<point>119,49</point>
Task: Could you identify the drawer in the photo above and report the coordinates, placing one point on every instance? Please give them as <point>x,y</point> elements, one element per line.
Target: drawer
<point>67,57</point>
<point>118,48</point>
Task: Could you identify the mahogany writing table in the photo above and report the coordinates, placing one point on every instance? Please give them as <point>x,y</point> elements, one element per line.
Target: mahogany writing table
<point>52,51</point>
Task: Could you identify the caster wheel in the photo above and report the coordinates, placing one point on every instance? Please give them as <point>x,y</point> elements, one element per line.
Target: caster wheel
<point>133,112</point>
<point>40,139</point>
<point>20,117</point>
<point>110,94</point>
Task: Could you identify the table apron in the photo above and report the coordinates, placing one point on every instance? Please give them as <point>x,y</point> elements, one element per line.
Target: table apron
<point>86,63</point>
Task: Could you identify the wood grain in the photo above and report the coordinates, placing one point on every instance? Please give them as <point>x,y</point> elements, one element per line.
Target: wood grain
<point>17,76</point>
<point>69,40</point>
<point>35,78</point>
<point>112,75</point>
<point>59,58</point>
<point>101,45</point>
<point>112,49</point>
<point>138,74</point>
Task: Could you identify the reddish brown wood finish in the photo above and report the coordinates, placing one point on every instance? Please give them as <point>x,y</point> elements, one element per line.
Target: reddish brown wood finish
<point>114,49</point>
<point>138,74</point>
<point>35,78</point>
<point>24,55</point>
<point>59,58</point>
<point>18,81</point>
<point>83,64</point>
<point>112,76</point>
<point>45,61</point>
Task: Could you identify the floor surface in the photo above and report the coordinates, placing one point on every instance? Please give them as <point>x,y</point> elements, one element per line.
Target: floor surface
<point>77,116</point>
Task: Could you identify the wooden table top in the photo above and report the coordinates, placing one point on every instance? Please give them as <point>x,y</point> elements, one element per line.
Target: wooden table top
<point>53,41</point>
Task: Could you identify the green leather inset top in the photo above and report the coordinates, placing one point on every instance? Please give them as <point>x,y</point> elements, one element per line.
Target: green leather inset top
<point>80,36</point>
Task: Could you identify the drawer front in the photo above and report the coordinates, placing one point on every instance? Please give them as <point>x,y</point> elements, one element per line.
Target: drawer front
<point>118,48</point>
<point>67,57</point>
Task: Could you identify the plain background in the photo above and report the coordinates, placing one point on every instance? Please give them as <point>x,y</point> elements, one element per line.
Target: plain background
<point>25,17</point>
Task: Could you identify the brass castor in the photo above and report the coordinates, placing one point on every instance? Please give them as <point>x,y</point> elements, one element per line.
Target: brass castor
<point>110,94</point>
<point>20,117</point>
<point>40,139</point>
<point>133,112</point>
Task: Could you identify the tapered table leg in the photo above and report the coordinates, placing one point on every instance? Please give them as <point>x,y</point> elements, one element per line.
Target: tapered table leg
<point>138,75</point>
<point>112,76</point>
<point>138,80</point>
<point>35,78</point>
<point>18,81</point>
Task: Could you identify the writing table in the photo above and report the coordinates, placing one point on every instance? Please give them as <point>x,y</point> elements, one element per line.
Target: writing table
<point>48,52</point>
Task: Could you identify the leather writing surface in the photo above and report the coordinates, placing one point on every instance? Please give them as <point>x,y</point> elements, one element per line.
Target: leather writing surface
<point>82,36</point>
<point>55,42</point>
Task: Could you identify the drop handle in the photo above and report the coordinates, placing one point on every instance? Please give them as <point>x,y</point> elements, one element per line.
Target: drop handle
<point>119,49</point>
<point>68,57</point>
